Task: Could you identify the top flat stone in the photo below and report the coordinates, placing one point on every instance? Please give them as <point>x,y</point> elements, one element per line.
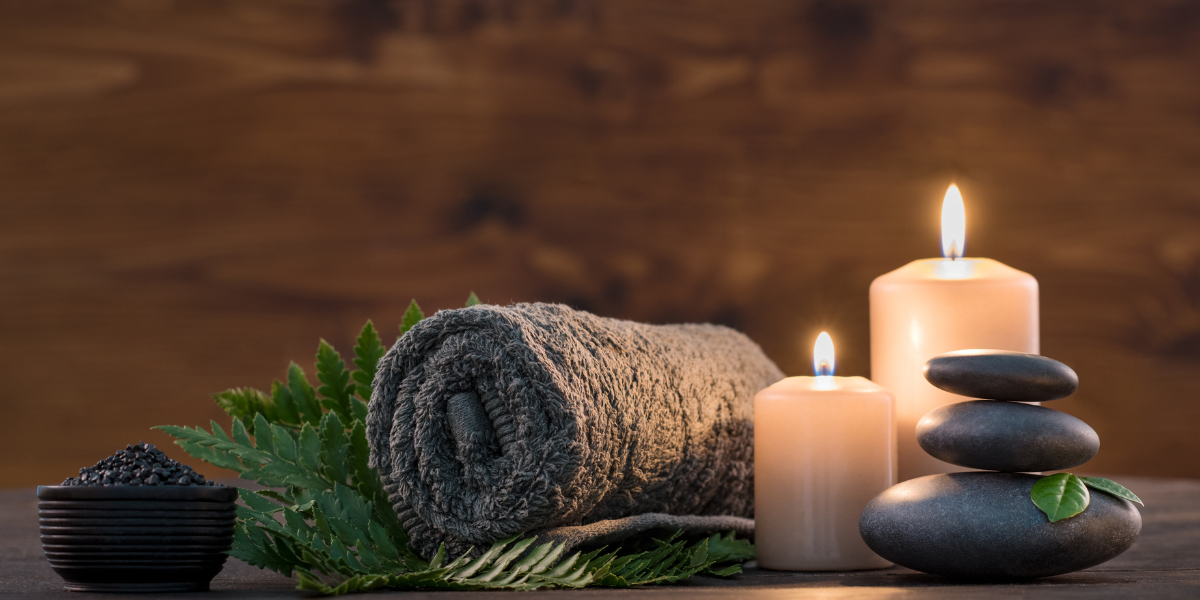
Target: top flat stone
<point>1001,375</point>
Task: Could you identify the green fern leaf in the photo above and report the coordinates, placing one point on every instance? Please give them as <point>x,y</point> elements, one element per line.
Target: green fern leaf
<point>244,403</point>
<point>309,449</point>
<point>334,449</point>
<point>284,442</point>
<point>286,411</point>
<point>367,352</point>
<point>412,316</point>
<point>336,388</point>
<point>259,503</point>
<point>280,497</point>
<point>263,442</point>
<point>729,548</point>
<point>304,395</point>
<point>275,469</point>
<point>252,545</point>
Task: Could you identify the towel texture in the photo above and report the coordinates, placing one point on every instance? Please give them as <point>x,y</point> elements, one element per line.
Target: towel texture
<point>492,421</point>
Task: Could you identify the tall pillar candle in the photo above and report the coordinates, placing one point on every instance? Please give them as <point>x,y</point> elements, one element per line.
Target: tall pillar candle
<point>823,447</point>
<point>932,306</point>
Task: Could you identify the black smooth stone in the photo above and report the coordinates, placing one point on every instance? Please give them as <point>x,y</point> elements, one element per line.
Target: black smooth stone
<point>1006,436</point>
<point>984,526</point>
<point>1001,375</point>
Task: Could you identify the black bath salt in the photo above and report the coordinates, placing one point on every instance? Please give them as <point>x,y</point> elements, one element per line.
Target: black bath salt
<point>138,464</point>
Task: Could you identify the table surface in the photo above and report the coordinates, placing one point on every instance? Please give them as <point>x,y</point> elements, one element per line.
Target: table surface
<point>1164,563</point>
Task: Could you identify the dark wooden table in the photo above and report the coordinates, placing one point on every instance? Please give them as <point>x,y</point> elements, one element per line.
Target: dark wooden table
<point>1165,563</point>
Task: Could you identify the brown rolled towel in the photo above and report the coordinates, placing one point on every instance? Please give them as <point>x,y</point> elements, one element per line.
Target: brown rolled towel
<point>491,421</point>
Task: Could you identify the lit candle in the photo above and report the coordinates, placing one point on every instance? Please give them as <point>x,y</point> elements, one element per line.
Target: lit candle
<point>823,447</point>
<point>932,306</point>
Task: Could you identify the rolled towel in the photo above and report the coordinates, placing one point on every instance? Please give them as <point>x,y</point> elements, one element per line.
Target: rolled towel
<point>492,421</point>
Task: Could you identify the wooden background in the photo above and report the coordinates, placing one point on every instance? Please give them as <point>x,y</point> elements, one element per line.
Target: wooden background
<point>193,192</point>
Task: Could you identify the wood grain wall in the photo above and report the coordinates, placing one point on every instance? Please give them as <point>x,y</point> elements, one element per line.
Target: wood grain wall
<point>193,192</point>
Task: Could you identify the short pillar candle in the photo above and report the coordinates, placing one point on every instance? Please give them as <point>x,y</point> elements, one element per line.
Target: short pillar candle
<point>824,446</point>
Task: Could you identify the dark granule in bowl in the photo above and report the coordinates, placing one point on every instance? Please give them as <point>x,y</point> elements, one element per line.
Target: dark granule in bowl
<point>138,464</point>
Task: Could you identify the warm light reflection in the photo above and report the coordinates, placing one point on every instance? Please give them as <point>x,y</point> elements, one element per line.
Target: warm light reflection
<point>823,356</point>
<point>954,224</point>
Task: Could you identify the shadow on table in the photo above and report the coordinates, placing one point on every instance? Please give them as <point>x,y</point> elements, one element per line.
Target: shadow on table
<point>897,577</point>
<point>918,580</point>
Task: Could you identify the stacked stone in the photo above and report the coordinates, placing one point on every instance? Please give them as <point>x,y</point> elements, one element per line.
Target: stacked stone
<point>984,524</point>
<point>1000,433</point>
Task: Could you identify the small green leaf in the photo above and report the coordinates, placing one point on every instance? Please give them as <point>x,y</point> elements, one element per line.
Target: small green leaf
<point>304,395</point>
<point>727,571</point>
<point>336,387</point>
<point>334,446</point>
<point>258,502</point>
<point>1060,496</point>
<point>201,444</point>
<point>262,437</point>
<point>439,557</point>
<point>367,352</point>
<point>359,408</point>
<point>243,403</point>
<point>728,548</point>
<point>240,435</point>
<point>281,498</point>
<point>472,300</point>
<point>285,406</point>
<point>412,316</point>
<point>1109,486</point>
<point>284,443</point>
<point>308,449</point>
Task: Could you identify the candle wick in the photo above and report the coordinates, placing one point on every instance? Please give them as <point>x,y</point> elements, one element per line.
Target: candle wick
<point>953,252</point>
<point>825,382</point>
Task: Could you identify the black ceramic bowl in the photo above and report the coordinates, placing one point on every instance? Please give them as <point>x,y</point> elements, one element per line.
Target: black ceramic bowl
<point>136,538</point>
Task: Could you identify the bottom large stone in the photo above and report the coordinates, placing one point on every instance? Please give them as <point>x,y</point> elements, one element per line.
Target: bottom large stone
<point>983,525</point>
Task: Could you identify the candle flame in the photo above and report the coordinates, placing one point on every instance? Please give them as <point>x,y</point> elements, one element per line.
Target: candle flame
<point>954,224</point>
<point>823,364</point>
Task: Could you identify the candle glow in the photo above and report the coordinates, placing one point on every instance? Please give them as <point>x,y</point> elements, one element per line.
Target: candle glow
<point>823,363</point>
<point>954,224</point>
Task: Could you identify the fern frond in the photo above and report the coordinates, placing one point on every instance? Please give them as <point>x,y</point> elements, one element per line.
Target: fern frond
<point>539,567</point>
<point>336,389</point>
<point>281,458</point>
<point>367,352</point>
<point>244,404</point>
<point>412,316</point>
